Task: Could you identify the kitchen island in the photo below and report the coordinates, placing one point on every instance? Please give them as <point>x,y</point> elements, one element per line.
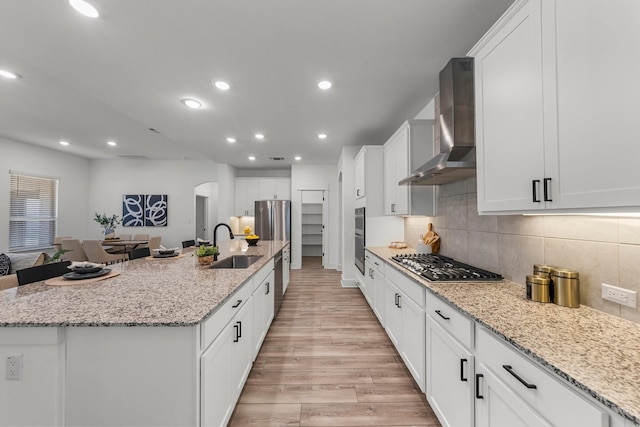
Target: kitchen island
<point>132,350</point>
<point>591,353</point>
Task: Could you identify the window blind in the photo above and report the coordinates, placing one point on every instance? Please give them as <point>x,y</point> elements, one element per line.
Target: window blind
<point>33,212</point>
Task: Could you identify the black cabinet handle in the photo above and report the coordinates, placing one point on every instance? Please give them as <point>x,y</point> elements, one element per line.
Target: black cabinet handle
<point>478,376</point>
<point>462,377</point>
<point>237,304</point>
<point>268,288</point>
<point>442,315</point>
<point>357,192</point>
<point>235,328</point>
<point>535,183</point>
<point>396,299</point>
<point>547,190</point>
<point>399,306</point>
<point>509,369</point>
<point>376,263</point>
<point>239,329</point>
<point>393,207</point>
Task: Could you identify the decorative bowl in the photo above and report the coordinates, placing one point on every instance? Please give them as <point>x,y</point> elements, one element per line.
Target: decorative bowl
<point>252,242</point>
<point>166,252</point>
<point>205,260</point>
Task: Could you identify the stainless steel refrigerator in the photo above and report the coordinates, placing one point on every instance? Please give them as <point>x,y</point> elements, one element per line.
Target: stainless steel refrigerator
<point>273,219</point>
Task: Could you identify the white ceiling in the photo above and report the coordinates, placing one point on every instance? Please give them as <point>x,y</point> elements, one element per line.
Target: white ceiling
<point>112,78</point>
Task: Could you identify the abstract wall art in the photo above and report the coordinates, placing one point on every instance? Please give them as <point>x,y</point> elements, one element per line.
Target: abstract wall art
<point>140,210</point>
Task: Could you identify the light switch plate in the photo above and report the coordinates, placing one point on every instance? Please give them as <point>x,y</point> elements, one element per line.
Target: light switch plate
<point>620,295</point>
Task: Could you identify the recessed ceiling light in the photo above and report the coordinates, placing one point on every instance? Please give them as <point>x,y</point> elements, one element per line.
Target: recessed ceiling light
<point>191,103</point>
<point>298,158</point>
<point>8,74</point>
<point>322,135</point>
<point>112,143</point>
<point>221,85</point>
<point>324,85</point>
<point>65,143</point>
<point>252,158</point>
<point>84,8</point>
<point>259,136</point>
<point>231,140</point>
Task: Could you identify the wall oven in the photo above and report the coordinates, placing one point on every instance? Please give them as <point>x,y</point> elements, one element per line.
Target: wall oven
<point>359,239</point>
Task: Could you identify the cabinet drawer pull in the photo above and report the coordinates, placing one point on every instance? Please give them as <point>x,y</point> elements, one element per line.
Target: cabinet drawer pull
<point>399,306</point>
<point>239,329</point>
<point>393,207</point>
<point>442,315</point>
<point>376,263</point>
<point>357,192</point>
<point>535,183</point>
<point>478,376</point>
<point>396,299</point>
<point>237,337</point>
<point>268,288</point>
<point>509,369</point>
<point>462,377</point>
<point>237,304</point>
<point>547,190</point>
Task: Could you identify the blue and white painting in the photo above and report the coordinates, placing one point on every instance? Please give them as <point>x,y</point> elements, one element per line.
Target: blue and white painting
<point>140,210</point>
<point>155,210</point>
<point>133,210</point>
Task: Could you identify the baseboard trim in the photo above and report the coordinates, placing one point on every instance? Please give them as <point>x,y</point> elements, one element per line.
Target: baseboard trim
<point>348,283</point>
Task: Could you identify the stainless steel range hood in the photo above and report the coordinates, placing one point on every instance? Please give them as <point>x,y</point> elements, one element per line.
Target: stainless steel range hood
<point>457,158</point>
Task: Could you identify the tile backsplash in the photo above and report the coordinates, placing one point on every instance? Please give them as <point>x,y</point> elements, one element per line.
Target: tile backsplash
<point>601,249</point>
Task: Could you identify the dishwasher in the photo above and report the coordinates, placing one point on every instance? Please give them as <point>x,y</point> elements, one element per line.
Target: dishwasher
<point>278,297</point>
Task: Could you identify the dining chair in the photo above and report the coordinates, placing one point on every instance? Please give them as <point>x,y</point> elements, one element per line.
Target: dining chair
<point>141,237</point>
<point>76,252</point>
<point>96,253</point>
<point>188,243</point>
<point>139,253</point>
<point>154,242</point>
<point>57,242</point>
<point>42,272</point>
<point>124,236</point>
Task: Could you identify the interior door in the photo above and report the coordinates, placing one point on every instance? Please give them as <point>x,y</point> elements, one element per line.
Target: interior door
<point>201,217</point>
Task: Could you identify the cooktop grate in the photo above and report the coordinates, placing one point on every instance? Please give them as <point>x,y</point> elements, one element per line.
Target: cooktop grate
<point>439,268</point>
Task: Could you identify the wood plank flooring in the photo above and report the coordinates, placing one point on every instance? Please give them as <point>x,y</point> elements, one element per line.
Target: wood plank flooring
<point>326,361</point>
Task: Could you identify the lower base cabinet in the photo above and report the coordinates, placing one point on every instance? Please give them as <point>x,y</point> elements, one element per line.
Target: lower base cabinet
<point>498,406</point>
<point>450,378</point>
<point>224,368</point>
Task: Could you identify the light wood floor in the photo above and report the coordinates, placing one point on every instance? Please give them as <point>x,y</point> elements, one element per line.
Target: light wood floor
<point>327,362</point>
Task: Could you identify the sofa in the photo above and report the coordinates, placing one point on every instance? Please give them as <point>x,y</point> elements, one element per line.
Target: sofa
<point>18,262</point>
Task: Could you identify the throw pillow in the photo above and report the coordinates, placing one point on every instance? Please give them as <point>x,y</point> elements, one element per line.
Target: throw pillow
<point>5,265</point>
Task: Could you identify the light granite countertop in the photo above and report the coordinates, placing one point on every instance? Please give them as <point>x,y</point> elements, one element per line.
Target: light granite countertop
<point>157,292</point>
<point>591,350</point>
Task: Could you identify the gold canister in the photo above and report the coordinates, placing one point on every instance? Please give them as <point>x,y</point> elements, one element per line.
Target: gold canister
<point>542,270</point>
<point>566,285</point>
<point>539,289</point>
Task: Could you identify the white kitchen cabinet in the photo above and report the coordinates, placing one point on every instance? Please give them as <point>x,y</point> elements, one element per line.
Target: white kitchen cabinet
<point>450,373</point>
<point>369,179</point>
<point>274,188</point>
<point>375,285</point>
<point>497,406</point>
<point>520,378</point>
<point>242,349</point>
<point>405,322</point>
<point>263,306</point>
<point>533,125</point>
<point>407,149</point>
<point>216,404</point>
<point>247,192</point>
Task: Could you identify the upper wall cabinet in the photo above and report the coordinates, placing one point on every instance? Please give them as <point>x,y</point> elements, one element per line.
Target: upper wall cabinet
<point>407,149</point>
<point>368,179</point>
<point>248,190</point>
<point>542,143</point>
<point>275,188</point>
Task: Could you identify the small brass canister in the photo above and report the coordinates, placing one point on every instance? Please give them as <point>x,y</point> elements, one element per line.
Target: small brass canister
<point>542,270</point>
<point>539,289</point>
<point>566,285</point>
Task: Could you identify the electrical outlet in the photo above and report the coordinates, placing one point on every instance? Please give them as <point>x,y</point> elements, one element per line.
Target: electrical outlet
<point>14,367</point>
<point>620,295</point>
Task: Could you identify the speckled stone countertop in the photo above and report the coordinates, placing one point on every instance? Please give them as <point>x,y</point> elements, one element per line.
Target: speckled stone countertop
<point>159,292</point>
<point>594,351</point>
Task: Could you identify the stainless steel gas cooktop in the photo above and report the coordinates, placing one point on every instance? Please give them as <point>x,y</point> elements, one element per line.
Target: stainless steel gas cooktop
<point>438,268</point>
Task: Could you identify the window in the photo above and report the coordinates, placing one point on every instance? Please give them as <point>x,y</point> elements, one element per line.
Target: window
<point>33,212</point>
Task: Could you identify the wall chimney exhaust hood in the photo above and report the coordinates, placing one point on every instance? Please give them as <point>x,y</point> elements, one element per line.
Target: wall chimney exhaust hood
<point>457,158</point>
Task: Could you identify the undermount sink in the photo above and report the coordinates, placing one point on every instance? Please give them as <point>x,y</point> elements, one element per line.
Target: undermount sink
<point>236,261</point>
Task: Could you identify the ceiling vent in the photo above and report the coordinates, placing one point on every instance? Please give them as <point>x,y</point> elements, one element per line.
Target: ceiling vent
<point>276,158</point>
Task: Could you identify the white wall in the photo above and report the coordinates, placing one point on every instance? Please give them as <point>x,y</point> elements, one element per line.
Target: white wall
<point>111,179</point>
<point>346,168</point>
<point>314,177</point>
<point>226,193</point>
<point>73,187</point>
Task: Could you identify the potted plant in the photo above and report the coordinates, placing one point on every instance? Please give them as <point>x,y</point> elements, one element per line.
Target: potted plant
<point>109,223</point>
<point>206,254</point>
